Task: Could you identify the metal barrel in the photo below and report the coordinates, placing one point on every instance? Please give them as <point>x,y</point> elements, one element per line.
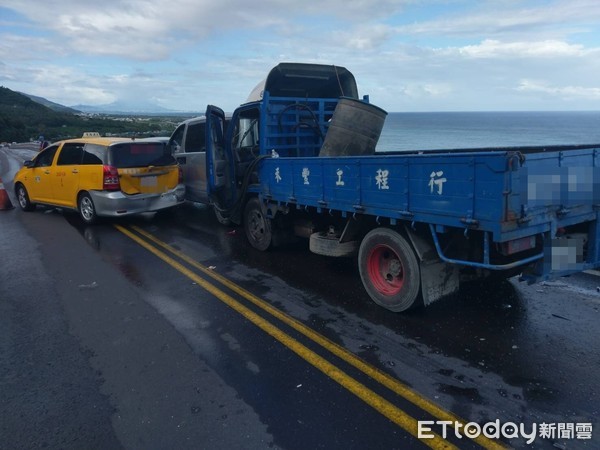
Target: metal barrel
<point>354,129</point>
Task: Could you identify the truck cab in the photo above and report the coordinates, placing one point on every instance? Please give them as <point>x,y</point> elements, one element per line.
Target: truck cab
<point>287,114</point>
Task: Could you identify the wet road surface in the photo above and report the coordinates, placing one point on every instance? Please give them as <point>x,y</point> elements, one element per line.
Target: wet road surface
<point>172,332</point>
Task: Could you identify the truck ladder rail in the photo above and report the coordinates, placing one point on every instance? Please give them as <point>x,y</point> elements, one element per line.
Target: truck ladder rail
<point>481,265</point>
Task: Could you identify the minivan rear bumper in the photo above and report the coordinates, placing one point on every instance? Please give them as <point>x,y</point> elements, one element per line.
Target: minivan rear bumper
<point>112,204</point>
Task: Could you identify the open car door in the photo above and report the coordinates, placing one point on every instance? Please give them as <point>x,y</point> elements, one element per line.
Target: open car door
<point>219,170</point>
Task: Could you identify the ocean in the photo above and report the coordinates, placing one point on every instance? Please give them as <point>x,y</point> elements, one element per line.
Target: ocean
<point>449,130</point>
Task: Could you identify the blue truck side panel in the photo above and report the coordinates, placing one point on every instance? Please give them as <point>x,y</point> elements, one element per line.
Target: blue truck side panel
<point>510,193</point>
<point>563,179</point>
<point>449,191</point>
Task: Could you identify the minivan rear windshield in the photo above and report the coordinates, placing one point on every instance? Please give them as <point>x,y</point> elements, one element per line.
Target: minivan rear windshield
<point>138,154</point>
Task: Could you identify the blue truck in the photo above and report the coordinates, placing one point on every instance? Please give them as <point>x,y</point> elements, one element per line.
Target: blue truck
<point>299,159</point>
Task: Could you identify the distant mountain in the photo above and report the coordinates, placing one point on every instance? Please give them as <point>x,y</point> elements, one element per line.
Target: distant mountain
<point>122,107</point>
<point>53,106</point>
<point>118,107</point>
<point>23,119</point>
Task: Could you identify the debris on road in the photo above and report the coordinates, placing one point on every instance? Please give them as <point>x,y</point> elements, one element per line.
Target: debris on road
<point>554,283</point>
<point>94,285</point>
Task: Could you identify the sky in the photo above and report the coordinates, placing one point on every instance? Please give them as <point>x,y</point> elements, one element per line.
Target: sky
<point>407,55</point>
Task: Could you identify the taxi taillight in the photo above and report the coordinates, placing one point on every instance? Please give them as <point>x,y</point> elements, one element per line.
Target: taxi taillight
<point>180,179</point>
<point>110,178</point>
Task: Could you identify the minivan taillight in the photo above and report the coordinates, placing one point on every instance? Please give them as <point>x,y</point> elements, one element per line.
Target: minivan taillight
<point>110,178</point>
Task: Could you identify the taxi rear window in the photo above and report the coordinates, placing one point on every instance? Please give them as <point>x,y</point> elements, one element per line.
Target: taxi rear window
<point>140,155</point>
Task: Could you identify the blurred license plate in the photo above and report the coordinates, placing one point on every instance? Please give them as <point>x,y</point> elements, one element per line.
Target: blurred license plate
<point>148,181</point>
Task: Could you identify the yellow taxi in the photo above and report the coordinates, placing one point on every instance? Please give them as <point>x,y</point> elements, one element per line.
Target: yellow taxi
<point>99,176</point>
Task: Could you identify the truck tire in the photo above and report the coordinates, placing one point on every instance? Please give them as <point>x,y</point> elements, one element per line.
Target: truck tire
<point>257,225</point>
<point>389,269</point>
<point>323,243</point>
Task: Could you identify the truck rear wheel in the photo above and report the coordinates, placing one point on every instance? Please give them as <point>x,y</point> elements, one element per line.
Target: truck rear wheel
<point>389,269</point>
<point>257,225</point>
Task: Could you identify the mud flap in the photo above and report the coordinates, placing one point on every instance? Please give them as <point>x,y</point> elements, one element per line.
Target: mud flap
<point>438,279</point>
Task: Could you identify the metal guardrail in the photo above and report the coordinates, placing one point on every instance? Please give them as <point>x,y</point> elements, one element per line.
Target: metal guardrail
<point>24,146</point>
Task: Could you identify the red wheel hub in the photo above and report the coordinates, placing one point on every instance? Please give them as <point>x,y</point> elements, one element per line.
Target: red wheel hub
<point>385,270</point>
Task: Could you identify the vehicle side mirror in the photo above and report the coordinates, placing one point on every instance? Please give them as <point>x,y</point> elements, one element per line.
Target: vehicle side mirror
<point>28,163</point>
<point>173,147</point>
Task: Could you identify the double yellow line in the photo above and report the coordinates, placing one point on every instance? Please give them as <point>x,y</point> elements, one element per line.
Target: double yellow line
<point>373,399</point>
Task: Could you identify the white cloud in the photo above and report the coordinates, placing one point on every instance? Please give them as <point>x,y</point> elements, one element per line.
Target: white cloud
<point>490,48</point>
<point>419,90</point>
<point>149,29</point>
<point>363,37</point>
<point>16,48</point>
<point>499,18</point>
<point>67,83</point>
<point>564,92</point>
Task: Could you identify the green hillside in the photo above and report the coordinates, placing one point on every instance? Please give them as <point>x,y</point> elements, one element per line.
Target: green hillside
<point>53,106</point>
<point>22,119</point>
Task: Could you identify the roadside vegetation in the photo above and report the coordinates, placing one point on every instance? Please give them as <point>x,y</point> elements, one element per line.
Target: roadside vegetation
<point>23,120</point>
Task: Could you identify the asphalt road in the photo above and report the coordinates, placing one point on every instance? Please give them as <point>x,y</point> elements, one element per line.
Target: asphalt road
<point>172,332</point>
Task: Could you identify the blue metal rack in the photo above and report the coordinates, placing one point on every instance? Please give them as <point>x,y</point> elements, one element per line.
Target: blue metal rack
<point>296,127</point>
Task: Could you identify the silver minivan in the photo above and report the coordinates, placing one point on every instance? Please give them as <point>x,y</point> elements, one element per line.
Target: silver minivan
<point>187,144</point>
